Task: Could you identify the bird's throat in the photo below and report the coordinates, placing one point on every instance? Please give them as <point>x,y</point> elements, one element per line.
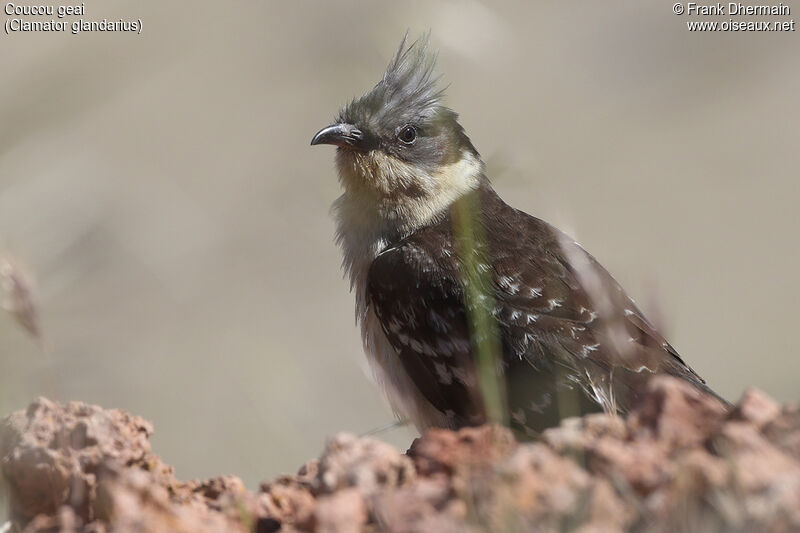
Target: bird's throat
<point>386,199</point>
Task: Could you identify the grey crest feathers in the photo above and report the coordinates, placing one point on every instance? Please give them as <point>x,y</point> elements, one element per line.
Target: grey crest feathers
<point>409,94</point>
<point>408,91</point>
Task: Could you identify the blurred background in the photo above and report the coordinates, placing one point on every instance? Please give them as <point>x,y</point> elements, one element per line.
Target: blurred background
<point>162,190</point>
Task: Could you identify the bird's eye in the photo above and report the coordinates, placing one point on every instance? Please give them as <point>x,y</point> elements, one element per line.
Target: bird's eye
<point>408,134</point>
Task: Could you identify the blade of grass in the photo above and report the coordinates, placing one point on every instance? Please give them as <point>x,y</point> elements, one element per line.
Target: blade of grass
<point>485,335</point>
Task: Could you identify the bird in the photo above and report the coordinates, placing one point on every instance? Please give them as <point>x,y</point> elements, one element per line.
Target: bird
<point>472,311</point>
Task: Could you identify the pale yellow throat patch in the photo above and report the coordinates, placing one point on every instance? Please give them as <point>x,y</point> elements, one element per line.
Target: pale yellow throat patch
<point>400,194</point>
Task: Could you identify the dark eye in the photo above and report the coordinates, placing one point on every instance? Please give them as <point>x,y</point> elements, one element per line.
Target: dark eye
<point>408,134</point>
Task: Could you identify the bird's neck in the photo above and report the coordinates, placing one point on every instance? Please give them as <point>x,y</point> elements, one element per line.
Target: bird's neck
<point>370,219</point>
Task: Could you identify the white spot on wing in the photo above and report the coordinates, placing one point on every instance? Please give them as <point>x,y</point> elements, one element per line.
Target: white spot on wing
<point>589,348</point>
<point>508,283</point>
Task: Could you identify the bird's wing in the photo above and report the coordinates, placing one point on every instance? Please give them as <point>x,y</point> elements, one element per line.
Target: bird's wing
<point>556,301</point>
<point>417,296</point>
<point>563,320</point>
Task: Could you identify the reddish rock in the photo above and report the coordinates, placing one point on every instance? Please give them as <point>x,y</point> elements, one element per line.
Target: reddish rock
<point>341,512</point>
<point>289,502</point>
<point>366,464</point>
<point>51,454</point>
<point>680,461</point>
<point>676,413</point>
<point>757,408</point>
<point>443,451</point>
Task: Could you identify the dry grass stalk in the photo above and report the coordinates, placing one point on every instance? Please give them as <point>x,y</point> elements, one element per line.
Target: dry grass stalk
<point>18,294</point>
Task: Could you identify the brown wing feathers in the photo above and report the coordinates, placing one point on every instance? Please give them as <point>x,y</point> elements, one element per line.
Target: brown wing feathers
<point>555,334</point>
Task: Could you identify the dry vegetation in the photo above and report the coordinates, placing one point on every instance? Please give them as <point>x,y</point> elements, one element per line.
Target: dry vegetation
<point>678,462</point>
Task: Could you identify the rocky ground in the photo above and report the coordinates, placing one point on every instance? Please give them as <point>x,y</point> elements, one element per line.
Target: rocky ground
<point>678,462</point>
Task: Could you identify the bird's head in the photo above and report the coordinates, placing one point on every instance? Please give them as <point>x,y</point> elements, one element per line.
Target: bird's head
<point>398,144</point>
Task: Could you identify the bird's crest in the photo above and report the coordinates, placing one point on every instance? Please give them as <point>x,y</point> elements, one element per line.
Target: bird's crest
<point>409,86</point>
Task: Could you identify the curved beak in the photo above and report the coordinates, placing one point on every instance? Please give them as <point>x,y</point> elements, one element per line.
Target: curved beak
<point>341,135</point>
